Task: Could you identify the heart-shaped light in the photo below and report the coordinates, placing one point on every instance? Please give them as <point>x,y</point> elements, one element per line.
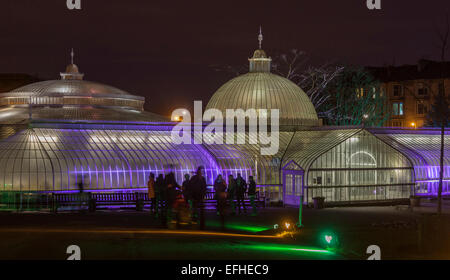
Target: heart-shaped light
<point>328,238</point>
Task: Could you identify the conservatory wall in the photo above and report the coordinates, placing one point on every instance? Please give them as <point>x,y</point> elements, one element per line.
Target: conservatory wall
<point>304,148</point>
<point>423,149</point>
<point>245,157</point>
<point>43,159</point>
<point>341,165</point>
<point>360,168</point>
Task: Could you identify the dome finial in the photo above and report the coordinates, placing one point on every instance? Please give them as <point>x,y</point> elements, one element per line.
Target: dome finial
<point>259,62</point>
<point>72,55</point>
<point>72,72</point>
<point>260,37</point>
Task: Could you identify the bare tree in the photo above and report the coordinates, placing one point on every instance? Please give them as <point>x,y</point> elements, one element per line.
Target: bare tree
<point>316,81</point>
<point>289,65</point>
<point>343,95</point>
<point>357,99</point>
<point>313,80</point>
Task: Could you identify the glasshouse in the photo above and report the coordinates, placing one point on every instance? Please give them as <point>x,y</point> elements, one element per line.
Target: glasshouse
<point>54,134</point>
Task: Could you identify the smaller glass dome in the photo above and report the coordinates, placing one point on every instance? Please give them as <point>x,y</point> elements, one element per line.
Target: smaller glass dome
<point>71,89</point>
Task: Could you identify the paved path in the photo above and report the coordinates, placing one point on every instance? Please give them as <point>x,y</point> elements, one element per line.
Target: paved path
<point>135,235</point>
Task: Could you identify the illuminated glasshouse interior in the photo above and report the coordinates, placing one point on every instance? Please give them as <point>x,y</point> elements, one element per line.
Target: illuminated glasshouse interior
<point>58,132</point>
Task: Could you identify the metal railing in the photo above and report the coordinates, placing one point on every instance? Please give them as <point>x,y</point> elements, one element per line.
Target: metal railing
<point>52,202</point>
<point>25,201</point>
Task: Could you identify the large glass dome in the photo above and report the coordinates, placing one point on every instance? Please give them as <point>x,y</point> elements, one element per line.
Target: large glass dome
<point>260,89</point>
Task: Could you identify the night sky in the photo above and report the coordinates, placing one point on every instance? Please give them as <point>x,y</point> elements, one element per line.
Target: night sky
<point>167,51</point>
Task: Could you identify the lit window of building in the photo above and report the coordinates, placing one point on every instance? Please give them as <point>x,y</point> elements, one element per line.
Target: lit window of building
<point>412,84</point>
<point>397,108</point>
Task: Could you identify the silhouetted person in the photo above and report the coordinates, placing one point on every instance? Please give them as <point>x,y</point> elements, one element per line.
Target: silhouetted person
<point>252,194</point>
<point>171,194</point>
<point>185,182</point>
<point>232,193</point>
<point>164,203</point>
<point>80,194</point>
<point>186,190</point>
<point>241,187</point>
<point>181,208</point>
<point>80,187</point>
<point>151,192</point>
<point>221,197</point>
<point>197,186</point>
<point>219,186</point>
<point>159,186</point>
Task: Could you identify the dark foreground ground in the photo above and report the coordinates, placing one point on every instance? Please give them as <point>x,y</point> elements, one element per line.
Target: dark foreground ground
<point>401,233</point>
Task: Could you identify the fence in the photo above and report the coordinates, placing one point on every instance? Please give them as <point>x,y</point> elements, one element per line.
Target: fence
<point>25,201</point>
<point>35,201</point>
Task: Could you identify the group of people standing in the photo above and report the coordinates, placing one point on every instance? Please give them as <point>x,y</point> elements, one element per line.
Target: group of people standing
<point>170,201</point>
<point>163,192</point>
<point>235,191</point>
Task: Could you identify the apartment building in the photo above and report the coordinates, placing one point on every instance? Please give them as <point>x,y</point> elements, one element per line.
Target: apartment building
<point>412,89</point>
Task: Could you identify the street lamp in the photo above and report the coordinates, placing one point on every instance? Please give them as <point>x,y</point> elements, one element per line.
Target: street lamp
<point>177,118</point>
<point>180,114</point>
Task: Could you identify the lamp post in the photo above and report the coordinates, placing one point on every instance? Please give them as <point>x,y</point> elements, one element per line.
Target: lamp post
<point>300,210</point>
<point>300,206</point>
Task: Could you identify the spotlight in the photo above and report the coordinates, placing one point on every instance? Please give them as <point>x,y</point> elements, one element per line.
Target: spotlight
<point>329,240</point>
<point>285,228</point>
